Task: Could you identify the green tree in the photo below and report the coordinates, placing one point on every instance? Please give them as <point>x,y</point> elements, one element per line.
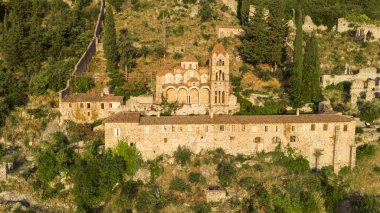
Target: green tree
<point>82,84</point>
<point>255,46</point>
<point>244,11</point>
<point>226,172</point>
<point>206,13</point>
<point>277,32</point>
<point>295,80</point>
<point>94,178</point>
<point>182,155</point>
<point>110,50</point>
<point>311,66</point>
<point>370,111</point>
<point>131,156</point>
<point>126,50</point>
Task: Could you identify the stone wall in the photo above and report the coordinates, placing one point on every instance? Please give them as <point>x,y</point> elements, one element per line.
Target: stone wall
<point>363,75</point>
<point>336,143</point>
<point>82,64</point>
<point>362,30</point>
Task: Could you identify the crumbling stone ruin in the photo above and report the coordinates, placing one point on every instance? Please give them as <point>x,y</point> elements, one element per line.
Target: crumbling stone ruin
<point>363,32</point>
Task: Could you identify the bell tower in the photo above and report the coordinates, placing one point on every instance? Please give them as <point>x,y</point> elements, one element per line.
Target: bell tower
<point>219,66</point>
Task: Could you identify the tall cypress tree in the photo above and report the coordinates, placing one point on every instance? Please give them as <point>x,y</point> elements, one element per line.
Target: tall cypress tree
<point>296,94</point>
<point>244,11</point>
<point>311,87</point>
<point>277,31</point>
<point>255,45</point>
<point>110,50</point>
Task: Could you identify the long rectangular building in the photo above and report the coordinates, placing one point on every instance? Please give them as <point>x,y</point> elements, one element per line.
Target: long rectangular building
<point>324,139</point>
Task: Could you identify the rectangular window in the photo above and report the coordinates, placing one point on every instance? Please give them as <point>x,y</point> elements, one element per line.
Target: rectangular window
<point>254,129</point>
<point>276,128</point>
<point>102,105</point>
<point>88,105</point>
<point>345,128</point>
<point>243,128</point>
<point>266,128</point>
<point>165,140</point>
<point>131,144</point>
<point>81,105</point>
<point>110,105</point>
<point>221,128</point>
<point>312,127</point>
<point>233,128</point>
<point>88,113</point>
<point>232,138</point>
<point>206,128</point>
<point>70,105</point>
<point>173,128</point>
<point>292,138</point>
<point>325,127</point>
<point>180,129</point>
<point>116,132</point>
<point>293,128</point>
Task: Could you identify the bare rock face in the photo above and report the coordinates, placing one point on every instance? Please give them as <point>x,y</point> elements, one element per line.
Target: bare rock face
<point>143,175</point>
<point>51,127</point>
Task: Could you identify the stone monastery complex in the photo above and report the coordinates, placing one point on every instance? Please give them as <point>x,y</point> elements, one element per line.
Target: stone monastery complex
<point>205,119</point>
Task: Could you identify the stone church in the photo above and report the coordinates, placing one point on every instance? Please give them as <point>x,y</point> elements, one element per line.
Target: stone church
<point>190,84</point>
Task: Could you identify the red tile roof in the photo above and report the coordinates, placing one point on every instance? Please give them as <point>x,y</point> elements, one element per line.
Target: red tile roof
<point>219,49</point>
<point>124,117</point>
<point>189,58</point>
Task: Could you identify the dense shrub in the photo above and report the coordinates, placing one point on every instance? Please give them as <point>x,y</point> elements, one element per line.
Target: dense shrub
<point>94,178</point>
<point>156,169</point>
<point>145,202</point>
<point>365,150</point>
<point>180,185</point>
<point>131,156</point>
<point>132,89</point>
<point>376,169</point>
<point>195,177</point>
<point>370,111</point>
<point>226,173</point>
<point>359,130</point>
<point>247,183</point>
<point>182,155</point>
<point>366,204</point>
<point>263,75</point>
<point>177,56</point>
<point>206,12</point>
<point>82,84</point>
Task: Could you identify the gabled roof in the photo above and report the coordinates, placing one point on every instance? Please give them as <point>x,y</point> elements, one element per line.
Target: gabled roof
<point>219,49</point>
<point>189,58</point>
<point>125,117</point>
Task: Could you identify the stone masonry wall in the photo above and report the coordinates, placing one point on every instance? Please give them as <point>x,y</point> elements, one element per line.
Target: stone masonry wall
<point>336,143</point>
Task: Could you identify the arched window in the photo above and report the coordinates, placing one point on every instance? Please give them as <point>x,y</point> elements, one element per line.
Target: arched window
<point>223,76</point>
<point>222,97</point>
<point>216,97</point>
<point>217,76</point>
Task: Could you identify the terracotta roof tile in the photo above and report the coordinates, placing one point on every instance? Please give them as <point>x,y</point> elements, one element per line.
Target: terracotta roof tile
<point>84,97</point>
<point>219,49</point>
<point>123,117</point>
<point>229,119</point>
<point>189,58</point>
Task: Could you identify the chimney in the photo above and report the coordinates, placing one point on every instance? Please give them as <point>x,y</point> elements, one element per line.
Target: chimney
<point>298,112</point>
<point>158,114</point>
<point>211,114</point>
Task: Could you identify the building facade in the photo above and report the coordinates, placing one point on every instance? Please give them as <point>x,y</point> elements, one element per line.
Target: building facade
<point>323,139</point>
<point>197,86</point>
<point>83,108</point>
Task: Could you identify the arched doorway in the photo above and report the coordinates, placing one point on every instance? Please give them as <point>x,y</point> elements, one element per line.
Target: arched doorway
<point>194,96</point>
<point>171,95</point>
<point>182,96</point>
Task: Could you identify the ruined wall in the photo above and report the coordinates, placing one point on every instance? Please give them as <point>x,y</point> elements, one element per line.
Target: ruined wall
<point>229,31</point>
<point>336,144</point>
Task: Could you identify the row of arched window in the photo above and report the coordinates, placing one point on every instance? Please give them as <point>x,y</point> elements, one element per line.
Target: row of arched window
<point>274,139</point>
<point>220,62</point>
<point>220,76</point>
<point>219,97</point>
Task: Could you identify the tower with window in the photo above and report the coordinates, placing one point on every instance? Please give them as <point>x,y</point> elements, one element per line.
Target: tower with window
<point>220,80</point>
